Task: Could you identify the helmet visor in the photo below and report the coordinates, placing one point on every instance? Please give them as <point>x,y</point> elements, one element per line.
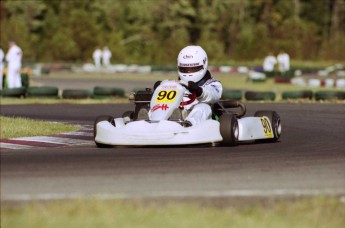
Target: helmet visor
<point>190,69</point>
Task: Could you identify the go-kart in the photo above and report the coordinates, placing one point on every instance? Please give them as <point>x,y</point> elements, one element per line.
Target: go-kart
<point>158,120</point>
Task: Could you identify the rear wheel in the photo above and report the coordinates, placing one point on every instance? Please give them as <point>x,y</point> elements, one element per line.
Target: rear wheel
<point>229,129</point>
<point>110,119</point>
<point>275,122</point>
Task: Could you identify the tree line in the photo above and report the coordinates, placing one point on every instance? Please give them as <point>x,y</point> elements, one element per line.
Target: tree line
<point>154,31</point>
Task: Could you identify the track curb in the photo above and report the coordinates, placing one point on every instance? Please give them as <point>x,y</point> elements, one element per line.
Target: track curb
<point>83,136</point>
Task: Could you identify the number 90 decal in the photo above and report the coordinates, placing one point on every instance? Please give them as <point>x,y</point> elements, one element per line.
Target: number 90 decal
<point>164,96</point>
<point>267,127</point>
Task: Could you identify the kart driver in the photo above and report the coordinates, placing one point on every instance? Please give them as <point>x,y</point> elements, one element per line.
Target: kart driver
<point>192,66</point>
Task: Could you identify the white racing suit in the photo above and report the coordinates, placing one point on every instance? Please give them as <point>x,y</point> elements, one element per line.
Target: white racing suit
<point>200,110</point>
<point>14,59</point>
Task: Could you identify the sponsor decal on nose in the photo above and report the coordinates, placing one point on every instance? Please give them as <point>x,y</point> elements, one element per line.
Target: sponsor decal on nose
<point>163,107</point>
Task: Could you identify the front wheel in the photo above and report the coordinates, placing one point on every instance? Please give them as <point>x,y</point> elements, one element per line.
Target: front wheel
<point>110,119</point>
<point>275,122</point>
<point>229,129</point>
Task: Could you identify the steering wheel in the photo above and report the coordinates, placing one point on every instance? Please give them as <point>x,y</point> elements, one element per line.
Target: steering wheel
<point>191,97</point>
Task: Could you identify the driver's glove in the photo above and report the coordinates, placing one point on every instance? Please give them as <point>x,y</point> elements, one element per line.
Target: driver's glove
<point>193,87</point>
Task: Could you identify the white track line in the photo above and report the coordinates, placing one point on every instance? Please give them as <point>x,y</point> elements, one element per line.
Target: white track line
<point>55,140</point>
<point>77,133</point>
<point>177,194</point>
<point>15,146</point>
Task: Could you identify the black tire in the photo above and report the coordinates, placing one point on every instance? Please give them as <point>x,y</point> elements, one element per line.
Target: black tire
<point>232,94</point>
<point>13,92</point>
<point>76,94</point>
<point>229,129</point>
<point>259,96</point>
<point>44,91</point>
<point>329,95</point>
<point>108,118</point>
<point>303,94</point>
<point>275,122</point>
<point>108,92</point>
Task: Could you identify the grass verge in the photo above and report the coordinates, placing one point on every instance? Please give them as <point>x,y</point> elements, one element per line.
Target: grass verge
<point>309,212</point>
<point>230,81</point>
<point>18,101</point>
<point>23,127</point>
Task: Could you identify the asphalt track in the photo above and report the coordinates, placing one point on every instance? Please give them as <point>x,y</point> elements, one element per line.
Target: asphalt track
<point>309,159</point>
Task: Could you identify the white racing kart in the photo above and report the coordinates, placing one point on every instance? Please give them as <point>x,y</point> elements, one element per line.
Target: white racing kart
<point>158,120</point>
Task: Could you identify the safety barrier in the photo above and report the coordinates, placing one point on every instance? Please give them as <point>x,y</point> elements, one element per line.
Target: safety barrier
<point>113,92</point>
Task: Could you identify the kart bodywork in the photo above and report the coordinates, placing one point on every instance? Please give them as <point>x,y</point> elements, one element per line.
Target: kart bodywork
<point>158,120</point>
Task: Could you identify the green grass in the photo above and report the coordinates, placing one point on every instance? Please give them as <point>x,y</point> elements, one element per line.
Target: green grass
<point>241,82</point>
<point>23,127</point>
<point>123,76</point>
<point>230,81</point>
<point>18,101</point>
<point>310,212</point>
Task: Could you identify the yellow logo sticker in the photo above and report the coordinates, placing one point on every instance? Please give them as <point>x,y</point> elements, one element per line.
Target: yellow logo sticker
<point>266,127</point>
<point>165,96</point>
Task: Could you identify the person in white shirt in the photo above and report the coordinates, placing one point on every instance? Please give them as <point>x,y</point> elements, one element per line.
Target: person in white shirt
<point>106,55</point>
<point>283,61</point>
<point>97,55</point>
<point>2,55</point>
<point>14,59</point>
<point>269,63</point>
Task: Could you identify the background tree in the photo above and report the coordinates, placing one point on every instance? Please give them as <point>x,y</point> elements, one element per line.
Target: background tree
<point>153,32</point>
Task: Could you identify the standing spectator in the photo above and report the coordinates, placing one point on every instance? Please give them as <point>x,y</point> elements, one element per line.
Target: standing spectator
<point>97,55</point>
<point>283,61</point>
<point>2,55</point>
<point>14,59</point>
<point>106,56</point>
<point>269,63</point>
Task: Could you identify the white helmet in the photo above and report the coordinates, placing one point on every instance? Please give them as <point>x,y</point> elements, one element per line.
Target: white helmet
<point>192,63</point>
